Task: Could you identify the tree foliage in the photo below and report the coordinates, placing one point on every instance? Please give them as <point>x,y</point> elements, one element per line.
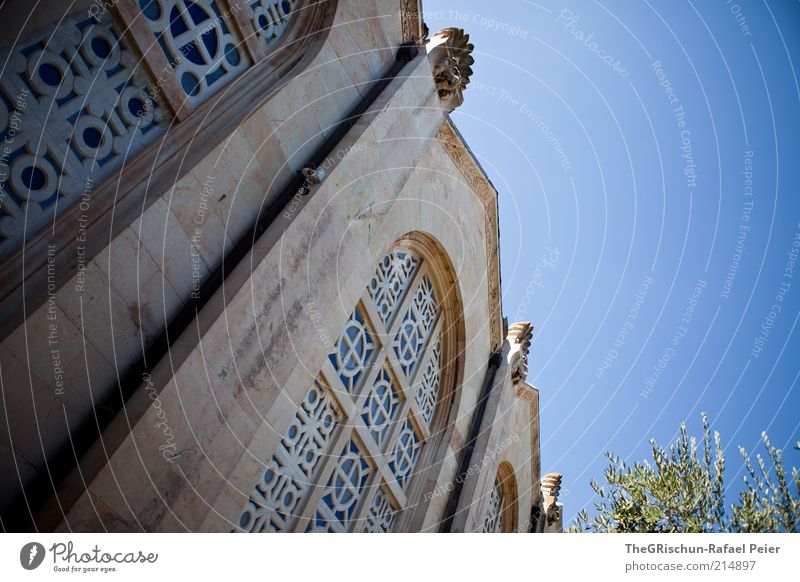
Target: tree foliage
<point>683,490</point>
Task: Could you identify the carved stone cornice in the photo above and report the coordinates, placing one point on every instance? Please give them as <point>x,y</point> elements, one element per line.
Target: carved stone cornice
<point>411,18</point>
<point>458,151</point>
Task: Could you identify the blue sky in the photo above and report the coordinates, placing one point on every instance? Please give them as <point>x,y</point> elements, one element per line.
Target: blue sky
<point>647,160</point>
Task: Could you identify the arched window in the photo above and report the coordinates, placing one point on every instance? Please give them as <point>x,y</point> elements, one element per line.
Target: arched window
<point>81,97</point>
<point>73,106</point>
<point>493,523</point>
<point>349,458</point>
<point>501,510</point>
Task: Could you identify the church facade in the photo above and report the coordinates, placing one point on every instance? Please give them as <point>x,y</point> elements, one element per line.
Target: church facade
<point>251,277</point>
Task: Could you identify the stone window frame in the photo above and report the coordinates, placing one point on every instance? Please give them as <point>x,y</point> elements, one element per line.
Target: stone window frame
<point>508,483</point>
<point>144,178</point>
<point>410,503</point>
<point>493,521</point>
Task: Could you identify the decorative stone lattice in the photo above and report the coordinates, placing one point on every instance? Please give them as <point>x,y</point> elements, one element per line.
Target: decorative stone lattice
<point>380,516</point>
<point>289,473</point>
<point>406,454</point>
<point>390,282</point>
<point>270,19</point>
<point>381,407</point>
<point>379,431</point>
<point>73,106</point>
<point>340,499</point>
<point>353,350</point>
<point>418,321</point>
<point>194,36</point>
<point>428,388</point>
<point>493,523</point>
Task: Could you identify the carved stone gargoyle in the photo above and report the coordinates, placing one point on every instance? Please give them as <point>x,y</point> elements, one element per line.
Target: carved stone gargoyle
<point>450,53</point>
<point>551,487</point>
<point>519,337</point>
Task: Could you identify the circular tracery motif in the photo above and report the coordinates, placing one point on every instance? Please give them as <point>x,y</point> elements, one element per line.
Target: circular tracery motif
<point>32,178</point>
<point>348,476</point>
<point>91,137</point>
<point>270,18</point>
<point>197,41</point>
<point>380,517</point>
<point>418,322</point>
<point>403,455</point>
<point>343,492</point>
<point>353,349</point>
<point>100,48</point>
<point>406,454</point>
<point>381,407</point>
<point>407,343</point>
<point>50,74</point>
<point>136,106</point>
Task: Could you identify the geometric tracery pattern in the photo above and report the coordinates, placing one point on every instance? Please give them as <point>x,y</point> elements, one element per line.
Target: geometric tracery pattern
<point>428,386</point>
<point>417,323</point>
<point>406,454</point>
<point>353,350</point>
<point>390,281</point>
<point>289,473</point>
<point>381,514</point>
<point>381,407</point>
<point>270,18</point>
<point>379,441</point>
<point>338,504</point>
<point>493,522</point>
<point>73,105</point>
<point>203,51</point>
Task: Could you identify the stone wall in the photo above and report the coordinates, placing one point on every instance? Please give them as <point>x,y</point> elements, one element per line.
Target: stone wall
<point>71,349</point>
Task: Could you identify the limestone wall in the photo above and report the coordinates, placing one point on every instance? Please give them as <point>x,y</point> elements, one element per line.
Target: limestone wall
<point>509,434</point>
<point>237,390</point>
<point>71,349</point>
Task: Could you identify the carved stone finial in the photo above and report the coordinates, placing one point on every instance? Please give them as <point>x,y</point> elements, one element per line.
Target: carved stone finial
<point>451,59</point>
<point>519,336</point>
<point>551,487</point>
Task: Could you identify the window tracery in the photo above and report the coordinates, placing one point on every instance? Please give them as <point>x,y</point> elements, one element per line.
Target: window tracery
<point>493,523</point>
<point>82,96</point>
<point>73,106</point>
<point>270,19</point>
<point>501,508</point>
<point>383,373</point>
<point>199,44</point>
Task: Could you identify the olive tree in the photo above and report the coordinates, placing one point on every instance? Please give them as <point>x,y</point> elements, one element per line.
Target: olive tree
<point>683,490</point>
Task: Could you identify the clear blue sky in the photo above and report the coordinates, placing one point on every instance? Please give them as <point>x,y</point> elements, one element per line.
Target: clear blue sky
<point>647,158</point>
